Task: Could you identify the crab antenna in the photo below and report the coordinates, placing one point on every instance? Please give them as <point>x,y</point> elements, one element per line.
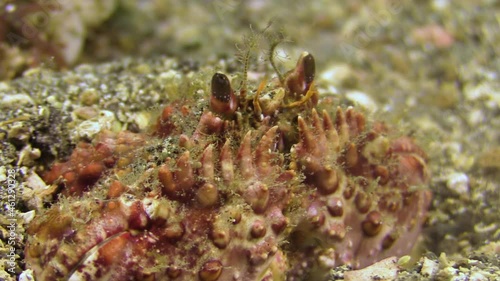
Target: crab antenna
<point>273,64</point>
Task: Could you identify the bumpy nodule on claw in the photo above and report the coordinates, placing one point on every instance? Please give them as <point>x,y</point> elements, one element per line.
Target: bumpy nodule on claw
<point>222,100</point>
<point>210,271</point>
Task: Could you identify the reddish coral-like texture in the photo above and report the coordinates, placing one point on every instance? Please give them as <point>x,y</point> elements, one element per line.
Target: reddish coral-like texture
<point>277,185</point>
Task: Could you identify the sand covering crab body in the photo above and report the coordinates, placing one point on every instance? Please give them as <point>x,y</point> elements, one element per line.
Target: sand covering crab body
<point>278,185</point>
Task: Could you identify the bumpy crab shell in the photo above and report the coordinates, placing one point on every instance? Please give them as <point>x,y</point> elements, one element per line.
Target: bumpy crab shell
<point>263,189</point>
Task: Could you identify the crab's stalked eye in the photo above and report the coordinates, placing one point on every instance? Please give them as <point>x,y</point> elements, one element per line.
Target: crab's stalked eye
<point>221,88</point>
<point>309,68</point>
<point>222,100</point>
<point>299,80</point>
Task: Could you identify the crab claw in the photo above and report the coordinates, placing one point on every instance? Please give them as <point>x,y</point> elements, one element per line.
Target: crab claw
<point>300,79</point>
<point>222,100</point>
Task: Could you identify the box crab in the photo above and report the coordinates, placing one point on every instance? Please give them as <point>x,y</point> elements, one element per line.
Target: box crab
<point>270,185</point>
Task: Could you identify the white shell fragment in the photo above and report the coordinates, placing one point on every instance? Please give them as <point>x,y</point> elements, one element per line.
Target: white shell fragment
<point>384,270</point>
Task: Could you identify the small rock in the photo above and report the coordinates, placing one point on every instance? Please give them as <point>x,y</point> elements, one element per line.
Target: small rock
<point>362,99</point>
<point>36,191</point>
<point>482,228</point>
<point>476,276</point>
<point>26,275</point>
<point>28,155</point>
<point>483,91</point>
<point>28,216</point>
<point>384,270</point>
<point>86,112</point>
<point>34,182</point>
<point>90,96</point>
<point>20,133</point>
<point>53,101</point>
<point>404,261</point>
<point>89,128</point>
<point>441,5</point>
<point>17,99</point>
<point>142,119</point>
<point>142,68</point>
<point>340,75</point>
<point>429,268</point>
<point>169,75</point>
<point>458,182</point>
<point>4,86</point>
<point>443,261</point>
<point>476,117</point>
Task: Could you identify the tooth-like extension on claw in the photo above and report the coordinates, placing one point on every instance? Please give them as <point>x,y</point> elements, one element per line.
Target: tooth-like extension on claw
<point>307,137</point>
<point>335,206</point>
<point>226,162</point>
<point>116,189</point>
<point>209,124</point>
<point>337,231</point>
<point>264,151</point>
<point>258,229</point>
<point>362,202</point>
<point>317,123</point>
<point>382,174</point>
<point>318,127</point>
<point>185,142</point>
<point>247,169</point>
<point>351,155</point>
<point>220,237</point>
<point>257,196</point>
<point>174,231</point>
<point>361,121</point>
<point>372,224</point>
<point>342,127</point>
<point>331,133</point>
<point>356,122</point>
<point>220,234</point>
<point>315,216</point>
<point>166,178</point>
<point>278,220</point>
<point>327,180</point>
<point>210,271</point>
<point>207,164</point>
<point>184,176</point>
<point>207,195</point>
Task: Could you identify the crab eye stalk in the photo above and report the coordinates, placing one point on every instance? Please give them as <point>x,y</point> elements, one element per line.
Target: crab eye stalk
<point>300,79</point>
<point>309,68</point>
<point>222,100</point>
<point>221,88</point>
